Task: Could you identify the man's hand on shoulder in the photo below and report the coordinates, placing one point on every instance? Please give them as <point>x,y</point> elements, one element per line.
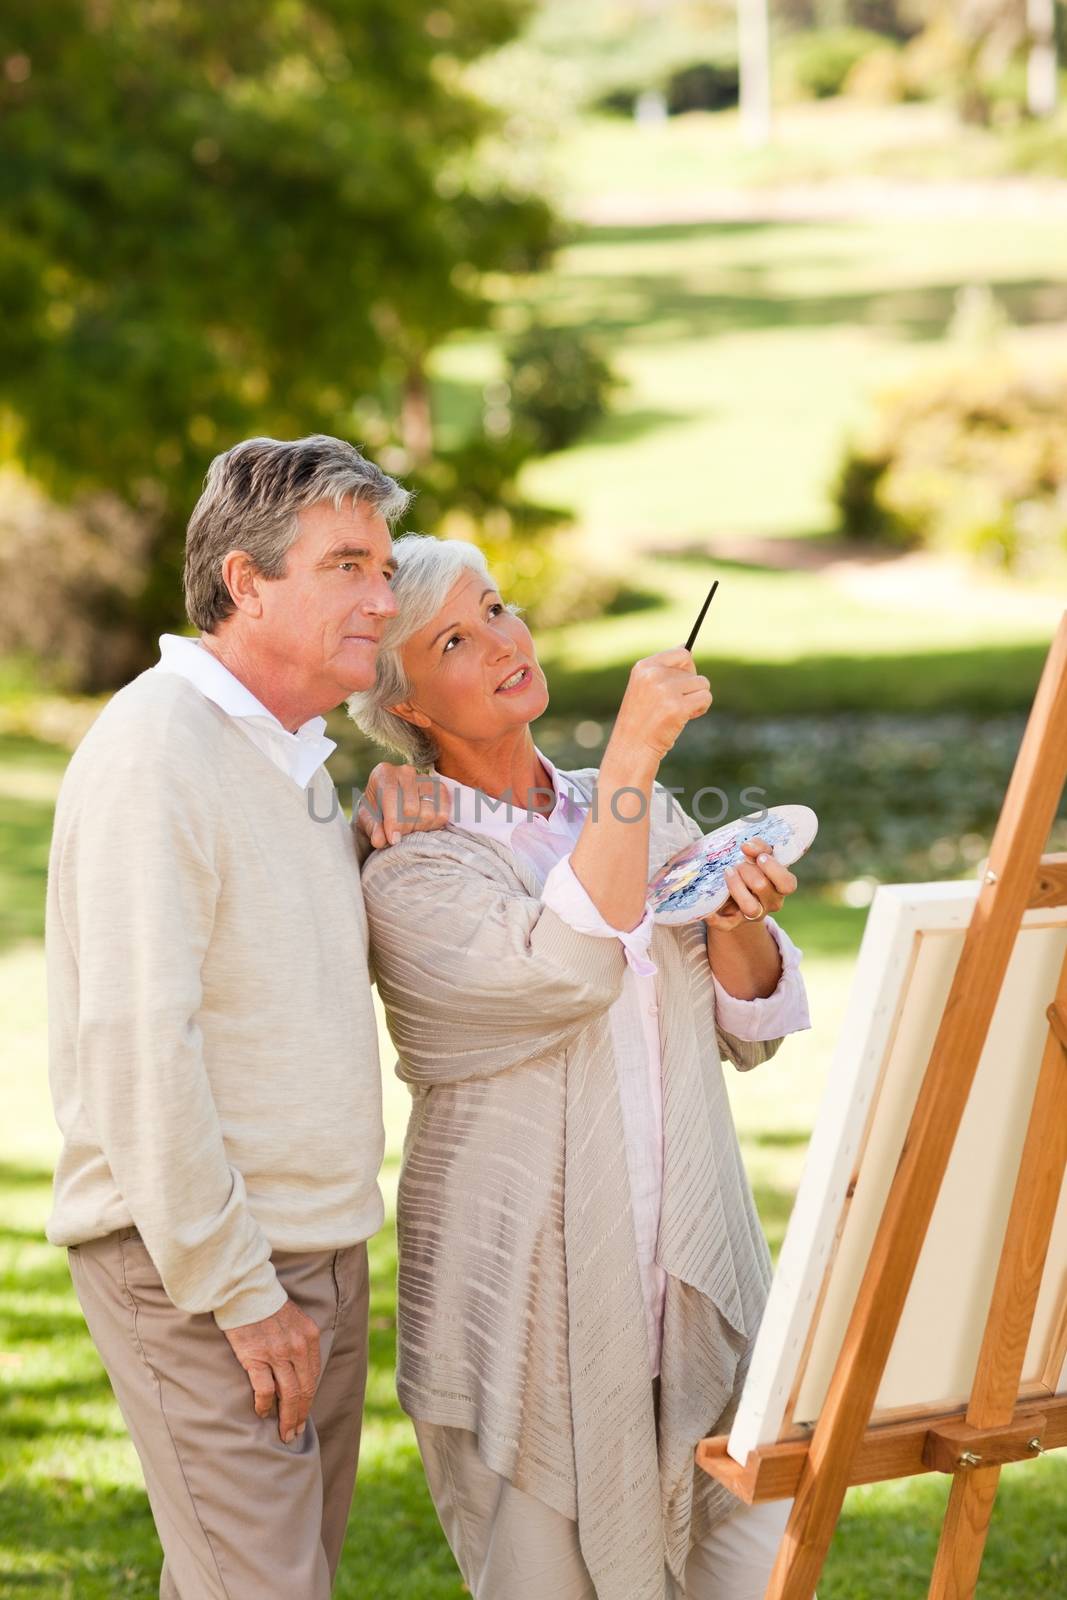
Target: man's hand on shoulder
<point>398,801</point>
<point>282,1359</point>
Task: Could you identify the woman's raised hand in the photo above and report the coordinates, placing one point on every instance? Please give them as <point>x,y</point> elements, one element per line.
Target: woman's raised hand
<point>610,860</point>
<point>665,692</point>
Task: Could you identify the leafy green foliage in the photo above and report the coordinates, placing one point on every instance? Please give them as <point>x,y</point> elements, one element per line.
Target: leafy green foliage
<point>471,492</point>
<point>817,65</point>
<point>559,384</point>
<point>707,85</point>
<point>250,217</point>
<point>606,52</point>
<point>973,458</point>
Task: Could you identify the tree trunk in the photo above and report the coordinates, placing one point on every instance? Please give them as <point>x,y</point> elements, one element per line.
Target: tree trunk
<point>754,63</point>
<point>1041,60</point>
<point>416,416</point>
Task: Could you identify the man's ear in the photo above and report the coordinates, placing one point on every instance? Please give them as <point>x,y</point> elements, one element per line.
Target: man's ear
<point>410,713</point>
<point>243,580</point>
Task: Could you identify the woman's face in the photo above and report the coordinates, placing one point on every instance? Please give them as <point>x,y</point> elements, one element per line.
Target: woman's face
<point>473,668</point>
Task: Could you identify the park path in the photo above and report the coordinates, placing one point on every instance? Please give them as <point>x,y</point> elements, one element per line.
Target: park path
<point>834,200</point>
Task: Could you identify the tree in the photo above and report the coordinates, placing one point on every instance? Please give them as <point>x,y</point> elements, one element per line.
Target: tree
<point>988,35</point>
<point>1041,66</point>
<point>754,61</point>
<point>252,216</point>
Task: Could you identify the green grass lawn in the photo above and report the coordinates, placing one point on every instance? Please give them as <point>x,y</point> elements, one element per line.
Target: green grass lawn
<point>779,642</point>
<point>74,1524</point>
<point>750,352</point>
<point>600,157</point>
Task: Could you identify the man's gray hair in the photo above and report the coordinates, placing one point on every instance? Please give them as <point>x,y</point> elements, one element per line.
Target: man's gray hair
<point>426,569</point>
<point>252,497</point>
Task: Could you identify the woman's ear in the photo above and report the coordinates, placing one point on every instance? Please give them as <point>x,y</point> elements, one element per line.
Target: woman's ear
<point>410,713</point>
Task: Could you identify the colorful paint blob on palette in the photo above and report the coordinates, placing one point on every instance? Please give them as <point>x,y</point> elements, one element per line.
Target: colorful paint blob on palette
<point>693,883</point>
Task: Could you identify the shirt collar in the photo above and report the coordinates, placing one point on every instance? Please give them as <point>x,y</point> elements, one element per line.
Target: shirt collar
<point>477,812</point>
<point>303,751</point>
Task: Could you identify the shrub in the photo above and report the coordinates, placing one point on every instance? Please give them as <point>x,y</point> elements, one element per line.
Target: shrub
<point>703,86</point>
<point>972,458</point>
<point>708,84</point>
<point>559,384</point>
<point>67,574</point>
<point>472,492</point>
<point>816,65</point>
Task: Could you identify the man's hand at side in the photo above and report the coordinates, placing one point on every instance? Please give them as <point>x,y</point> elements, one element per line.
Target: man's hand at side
<point>281,1356</point>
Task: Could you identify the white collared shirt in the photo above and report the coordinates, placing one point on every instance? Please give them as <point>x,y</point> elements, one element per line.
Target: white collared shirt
<point>545,843</point>
<point>298,754</point>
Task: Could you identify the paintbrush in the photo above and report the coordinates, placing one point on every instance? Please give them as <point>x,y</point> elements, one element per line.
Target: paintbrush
<point>689,643</point>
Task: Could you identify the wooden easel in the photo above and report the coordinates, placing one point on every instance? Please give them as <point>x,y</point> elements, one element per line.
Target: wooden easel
<point>999,1425</point>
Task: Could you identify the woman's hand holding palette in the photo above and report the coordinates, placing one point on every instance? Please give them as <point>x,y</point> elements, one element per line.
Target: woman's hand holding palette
<point>693,884</point>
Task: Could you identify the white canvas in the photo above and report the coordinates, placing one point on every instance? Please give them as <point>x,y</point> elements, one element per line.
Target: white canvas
<point>909,953</point>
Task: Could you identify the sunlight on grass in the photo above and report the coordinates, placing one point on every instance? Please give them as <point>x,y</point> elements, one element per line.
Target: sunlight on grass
<point>750,353</point>
<point>602,156</point>
<point>770,616</point>
<point>780,641</point>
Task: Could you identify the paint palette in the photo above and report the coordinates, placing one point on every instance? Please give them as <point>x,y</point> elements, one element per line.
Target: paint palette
<point>693,883</point>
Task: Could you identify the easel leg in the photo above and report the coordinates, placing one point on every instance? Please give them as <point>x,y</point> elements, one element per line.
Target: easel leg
<point>1029,808</point>
<point>963,1534</point>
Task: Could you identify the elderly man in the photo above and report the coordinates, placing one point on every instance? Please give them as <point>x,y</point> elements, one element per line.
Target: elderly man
<point>214,1056</point>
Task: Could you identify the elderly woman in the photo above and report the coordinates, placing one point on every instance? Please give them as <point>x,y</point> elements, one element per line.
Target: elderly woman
<point>582,1271</point>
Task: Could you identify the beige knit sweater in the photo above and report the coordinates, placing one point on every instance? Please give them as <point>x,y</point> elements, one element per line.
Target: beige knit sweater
<point>213,1050</point>
<point>520,1308</point>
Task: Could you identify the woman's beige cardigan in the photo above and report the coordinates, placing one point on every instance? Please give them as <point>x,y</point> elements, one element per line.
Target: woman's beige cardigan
<point>521,1315</point>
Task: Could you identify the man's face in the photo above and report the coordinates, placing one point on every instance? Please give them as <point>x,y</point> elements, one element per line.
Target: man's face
<point>325,616</point>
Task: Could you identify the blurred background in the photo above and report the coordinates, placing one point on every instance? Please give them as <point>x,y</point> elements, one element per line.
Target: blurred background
<point>634,293</point>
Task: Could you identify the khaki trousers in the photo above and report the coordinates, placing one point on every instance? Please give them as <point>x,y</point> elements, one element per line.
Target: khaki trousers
<point>240,1515</point>
<point>509,1546</point>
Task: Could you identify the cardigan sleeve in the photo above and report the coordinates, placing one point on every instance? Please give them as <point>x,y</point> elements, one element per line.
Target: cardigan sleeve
<point>138,886</point>
<point>476,978</point>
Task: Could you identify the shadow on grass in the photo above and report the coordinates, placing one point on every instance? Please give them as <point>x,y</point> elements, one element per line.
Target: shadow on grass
<point>642,234</point>
<point>985,679</point>
<point>886,1542</point>
<point>77,1539</point>
<point>779,1139</point>
<point>654,309</point>
<point>15,1176</point>
<point>68,1531</point>
<point>623,427</point>
<point>706,297</point>
<point>72,1533</point>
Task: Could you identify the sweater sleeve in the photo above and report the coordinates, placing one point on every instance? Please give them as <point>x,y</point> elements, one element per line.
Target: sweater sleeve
<point>139,885</point>
<point>477,979</point>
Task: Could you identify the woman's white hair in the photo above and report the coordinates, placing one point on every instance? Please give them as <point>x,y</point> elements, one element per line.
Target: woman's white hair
<point>426,569</point>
